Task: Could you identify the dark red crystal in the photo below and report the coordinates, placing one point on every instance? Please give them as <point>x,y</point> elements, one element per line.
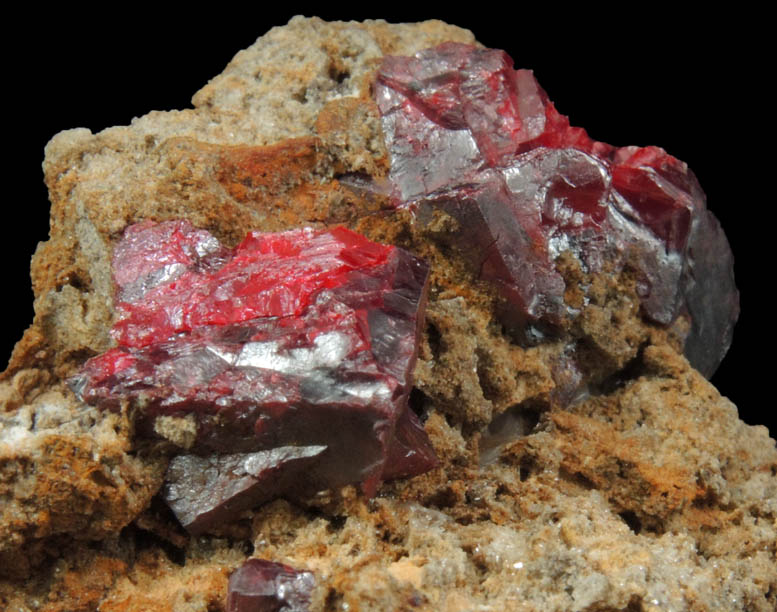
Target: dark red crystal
<point>291,342</point>
<point>264,586</point>
<point>471,136</point>
<point>207,491</point>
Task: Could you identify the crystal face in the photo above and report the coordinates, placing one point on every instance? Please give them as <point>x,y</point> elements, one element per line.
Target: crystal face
<point>290,357</point>
<point>206,491</point>
<point>265,586</point>
<point>472,137</point>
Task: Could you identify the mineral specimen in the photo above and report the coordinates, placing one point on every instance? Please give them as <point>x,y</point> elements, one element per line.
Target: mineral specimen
<point>648,493</point>
<point>264,586</point>
<point>472,137</point>
<point>289,357</point>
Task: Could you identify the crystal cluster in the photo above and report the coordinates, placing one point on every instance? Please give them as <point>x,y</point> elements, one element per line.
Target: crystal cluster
<point>264,586</point>
<point>287,361</point>
<point>470,136</point>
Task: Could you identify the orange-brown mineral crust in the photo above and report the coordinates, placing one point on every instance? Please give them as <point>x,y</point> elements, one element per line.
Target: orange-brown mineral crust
<point>642,491</point>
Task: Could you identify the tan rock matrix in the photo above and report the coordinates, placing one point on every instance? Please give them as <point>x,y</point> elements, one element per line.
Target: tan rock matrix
<point>648,493</point>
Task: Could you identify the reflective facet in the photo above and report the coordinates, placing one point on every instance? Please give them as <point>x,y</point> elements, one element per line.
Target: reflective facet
<point>293,341</point>
<point>264,586</point>
<point>473,137</point>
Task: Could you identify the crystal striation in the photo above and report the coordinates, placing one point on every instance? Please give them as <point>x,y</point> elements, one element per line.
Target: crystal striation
<point>264,586</point>
<point>292,356</point>
<point>470,136</point>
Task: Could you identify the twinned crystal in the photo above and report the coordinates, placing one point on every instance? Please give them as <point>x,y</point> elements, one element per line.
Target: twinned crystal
<point>481,142</point>
<point>288,361</point>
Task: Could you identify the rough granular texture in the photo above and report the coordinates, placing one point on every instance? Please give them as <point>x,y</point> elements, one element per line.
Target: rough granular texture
<point>613,477</point>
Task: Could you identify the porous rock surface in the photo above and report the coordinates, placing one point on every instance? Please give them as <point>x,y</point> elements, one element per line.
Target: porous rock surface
<point>646,492</point>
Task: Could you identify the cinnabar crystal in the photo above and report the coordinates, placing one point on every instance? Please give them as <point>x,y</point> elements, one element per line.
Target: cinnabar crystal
<point>264,586</point>
<point>293,354</point>
<point>473,137</point>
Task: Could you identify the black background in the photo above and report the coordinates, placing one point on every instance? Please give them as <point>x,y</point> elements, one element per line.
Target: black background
<point>695,85</point>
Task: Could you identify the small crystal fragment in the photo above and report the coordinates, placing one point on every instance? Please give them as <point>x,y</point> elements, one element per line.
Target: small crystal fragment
<point>264,586</point>
<point>293,353</point>
<point>206,491</point>
<point>480,141</point>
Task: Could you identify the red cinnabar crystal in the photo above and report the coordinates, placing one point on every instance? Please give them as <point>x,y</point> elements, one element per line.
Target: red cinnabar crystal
<point>204,491</point>
<point>292,355</point>
<point>473,137</point>
<point>265,586</point>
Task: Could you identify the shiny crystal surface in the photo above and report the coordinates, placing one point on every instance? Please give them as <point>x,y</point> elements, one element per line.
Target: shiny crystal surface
<point>264,586</point>
<point>207,491</point>
<point>291,354</point>
<point>472,137</point>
